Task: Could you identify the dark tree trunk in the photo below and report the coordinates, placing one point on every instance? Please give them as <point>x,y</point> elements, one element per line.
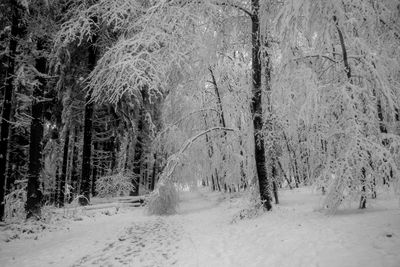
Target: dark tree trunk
<point>296,171</point>
<point>219,102</point>
<point>213,186</point>
<point>87,135</point>
<point>154,173</point>
<point>95,166</point>
<point>274,184</point>
<point>137,159</point>
<point>55,189</point>
<point>63,176</point>
<point>73,164</point>
<point>125,166</point>
<point>8,93</point>
<point>222,123</point>
<point>210,150</point>
<point>264,185</point>
<point>363,200</point>
<point>385,141</point>
<point>217,182</point>
<point>284,174</point>
<point>293,162</point>
<point>17,158</point>
<point>34,195</point>
<point>113,150</point>
<point>87,154</point>
<point>243,178</point>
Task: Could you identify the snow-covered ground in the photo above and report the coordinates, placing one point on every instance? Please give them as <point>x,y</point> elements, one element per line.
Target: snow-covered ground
<point>202,234</point>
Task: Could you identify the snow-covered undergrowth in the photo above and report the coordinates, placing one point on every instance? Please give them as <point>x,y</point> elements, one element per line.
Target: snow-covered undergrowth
<point>57,219</point>
<point>208,231</point>
<point>164,200</point>
<point>115,185</point>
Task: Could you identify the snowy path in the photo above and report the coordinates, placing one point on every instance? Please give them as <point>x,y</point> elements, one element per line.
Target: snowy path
<point>202,234</point>
<point>148,243</point>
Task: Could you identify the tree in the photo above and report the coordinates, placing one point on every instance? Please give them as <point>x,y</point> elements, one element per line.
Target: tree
<point>87,134</point>
<point>346,76</point>
<point>264,183</point>
<point>153,56</point>
<point>34,194</point>
<point>16,16</point>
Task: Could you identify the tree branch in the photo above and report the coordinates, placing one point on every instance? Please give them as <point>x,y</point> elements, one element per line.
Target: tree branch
<point>183,118</point>
<point>344,51</point>
<point>174,159</point>
<point>237,7</point>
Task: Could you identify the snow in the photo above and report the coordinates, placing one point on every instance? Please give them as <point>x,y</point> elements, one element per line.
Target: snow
<point>295,233</point>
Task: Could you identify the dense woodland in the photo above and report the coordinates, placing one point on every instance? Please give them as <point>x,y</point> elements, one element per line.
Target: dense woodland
<point>132,97</point>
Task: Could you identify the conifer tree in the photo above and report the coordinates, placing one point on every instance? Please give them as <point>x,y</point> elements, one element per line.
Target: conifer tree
<point>16,17</point>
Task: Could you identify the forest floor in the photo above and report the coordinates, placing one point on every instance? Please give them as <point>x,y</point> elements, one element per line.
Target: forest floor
<point>204,233</point>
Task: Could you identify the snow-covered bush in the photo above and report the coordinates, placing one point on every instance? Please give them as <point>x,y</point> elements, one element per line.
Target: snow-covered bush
<point>163,200</point>
<point>14,205</point>
<point>115,185</point>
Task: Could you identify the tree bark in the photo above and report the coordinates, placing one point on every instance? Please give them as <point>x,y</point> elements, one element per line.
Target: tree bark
<point>219,102</point>
<point>73,159</point>
<point>137,159</point>
<point>264,184</point>
<point>210,149</point>
<point>63,176</point>
<point>34,194</point>
<point>274,184</point>
<point>87,135</point>
<point>8,93</point>
<point>154,173</point>
<point>222,123</point>
<point>95,168</point>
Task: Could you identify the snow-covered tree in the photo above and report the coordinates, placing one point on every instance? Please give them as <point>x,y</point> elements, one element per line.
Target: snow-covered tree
<point>336,92</point>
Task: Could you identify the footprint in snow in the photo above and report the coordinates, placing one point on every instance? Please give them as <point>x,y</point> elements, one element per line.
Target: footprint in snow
<point>150,243</point>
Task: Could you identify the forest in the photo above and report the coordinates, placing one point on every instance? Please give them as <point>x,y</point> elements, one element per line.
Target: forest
<point>103,99</point>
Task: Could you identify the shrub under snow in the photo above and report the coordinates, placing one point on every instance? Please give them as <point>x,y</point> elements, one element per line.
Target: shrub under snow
<point>115,185</point>
<point>163,200</point>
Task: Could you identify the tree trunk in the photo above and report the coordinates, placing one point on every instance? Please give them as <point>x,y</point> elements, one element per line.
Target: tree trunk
<point>125,165</point>
<point>243,178</point>
<point>55,190</point>
<point>217,182</point>
<point>264,185</point>
<point>363,200</point>
<point>63,176</point>
<point>8,92</point>
<point>95,168</point>
<point>74,177</point>
<point>210,149</point>
<point>87,135</point>
<point>219,102</point>
<point>284,174</point>
<point>221,122</point>
<point>17,157</point>
<point>274,184</point>
<point>34,195</point>
<point>137,159</point>
<point>154,173</point>
<point>87,154</point>
<point>113,151</point>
